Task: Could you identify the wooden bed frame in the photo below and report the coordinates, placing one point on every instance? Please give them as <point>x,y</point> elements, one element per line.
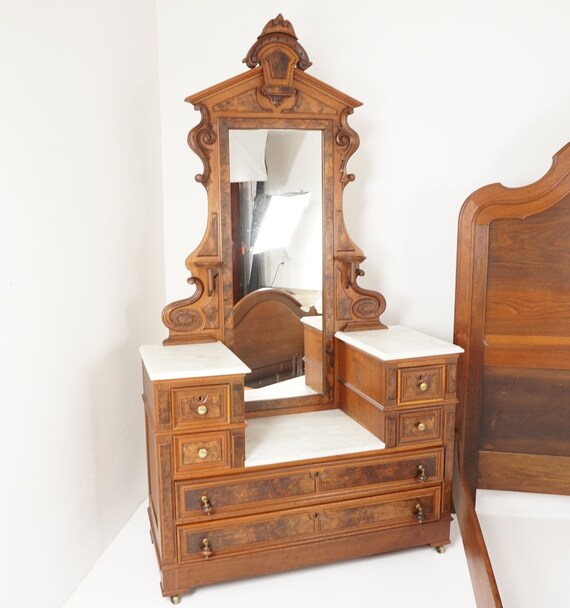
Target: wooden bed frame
<point>512,317</point>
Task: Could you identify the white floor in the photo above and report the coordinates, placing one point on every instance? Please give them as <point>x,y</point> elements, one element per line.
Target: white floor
<point>528,537</point>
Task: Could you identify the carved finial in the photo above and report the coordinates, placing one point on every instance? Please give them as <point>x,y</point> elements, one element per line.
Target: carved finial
<point>279,31</point>
<point>278,51</point>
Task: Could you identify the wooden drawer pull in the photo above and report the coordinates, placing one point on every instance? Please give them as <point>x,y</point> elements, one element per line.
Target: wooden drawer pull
<point>206,505</point>
<point>206,549</point>
<point>422,475</point>
<point>202,453</point>
<point>419,513</point>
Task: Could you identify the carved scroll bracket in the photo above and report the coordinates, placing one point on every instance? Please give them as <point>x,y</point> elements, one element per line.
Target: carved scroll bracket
<point>201,138</point>
<point>358,308</point>
<point>347,141</point>
<point>186,320</point>
<point>278,51</point>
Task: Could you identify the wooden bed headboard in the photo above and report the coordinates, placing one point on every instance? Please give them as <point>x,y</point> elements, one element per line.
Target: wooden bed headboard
<point>268,335</point>
<point>512,317</point>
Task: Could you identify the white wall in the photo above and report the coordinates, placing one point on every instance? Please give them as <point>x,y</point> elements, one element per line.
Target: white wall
<point>456,95</point>
<point>81,281</point>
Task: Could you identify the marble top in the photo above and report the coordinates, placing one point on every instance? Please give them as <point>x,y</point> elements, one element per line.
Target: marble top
<point>315,321</point>
<point>294,387</point>
<point>293,437</point>
<point>397,342</point>
<point>190,361</point>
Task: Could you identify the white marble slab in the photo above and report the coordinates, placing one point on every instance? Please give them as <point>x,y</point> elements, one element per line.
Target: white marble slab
<point>302,436</point>
<point>197,360</point>
<point>294,387</point>
<point>397,342</point>
<point>315,321</point>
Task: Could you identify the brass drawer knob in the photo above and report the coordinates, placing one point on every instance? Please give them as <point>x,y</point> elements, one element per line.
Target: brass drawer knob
<point>423,386</point>
<point>419,513</point>
<point>206,549</point>
<point>422,474</point>
<point>202,410</point>
<point>421,426</point>
<point>206,504</point>
<point>202,453</point>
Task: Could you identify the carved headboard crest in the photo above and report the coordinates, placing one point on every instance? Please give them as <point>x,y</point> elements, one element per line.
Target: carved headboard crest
<point>278,51</point>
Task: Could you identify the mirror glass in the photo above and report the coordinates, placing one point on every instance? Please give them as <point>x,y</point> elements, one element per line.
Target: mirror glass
<point>277,253</point>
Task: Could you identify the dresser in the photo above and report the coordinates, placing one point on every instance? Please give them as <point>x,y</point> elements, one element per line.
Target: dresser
<point>231,497</point>
<point>287,425</point>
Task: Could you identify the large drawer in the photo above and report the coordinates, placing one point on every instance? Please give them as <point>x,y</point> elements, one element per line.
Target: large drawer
<point>200,541</point>
<point>246,492</point>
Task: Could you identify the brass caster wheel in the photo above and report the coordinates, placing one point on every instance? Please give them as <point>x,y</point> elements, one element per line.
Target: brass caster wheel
<point>440,549</point>
<point>175,599</point>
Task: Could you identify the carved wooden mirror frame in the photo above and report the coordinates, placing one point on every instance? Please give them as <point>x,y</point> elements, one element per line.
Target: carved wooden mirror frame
<point>275,93</point>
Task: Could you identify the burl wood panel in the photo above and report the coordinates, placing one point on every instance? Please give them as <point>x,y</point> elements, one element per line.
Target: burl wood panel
<point>257,492</point>
<point>247,493</point>
<point>253,533</point>
<point>240,534</point>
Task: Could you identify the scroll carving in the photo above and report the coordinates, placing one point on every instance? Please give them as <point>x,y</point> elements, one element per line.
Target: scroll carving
<point>200,139</point>
<point>348,141</point>
<point>186,321</point>
<point>275,93</point>
<point>362,307</point>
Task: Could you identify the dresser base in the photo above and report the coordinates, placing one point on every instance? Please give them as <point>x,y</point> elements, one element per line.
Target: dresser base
<point>182,578</point>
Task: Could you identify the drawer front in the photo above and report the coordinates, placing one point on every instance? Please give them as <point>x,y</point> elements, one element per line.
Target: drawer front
<point>200,406</point>
<point>378,512</point>
<point>197,542</point>
<point>195,500</point>
<point>250,493</point>
<point>204,451</point>
<point>421,384</point>
<point>404,470</point>
<point>419,425</point>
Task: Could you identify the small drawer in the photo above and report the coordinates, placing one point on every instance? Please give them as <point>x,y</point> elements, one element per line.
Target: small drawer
<point>415,426</point>
<point>421,384</point>
<point>196,406</point>
<point>201,451</point>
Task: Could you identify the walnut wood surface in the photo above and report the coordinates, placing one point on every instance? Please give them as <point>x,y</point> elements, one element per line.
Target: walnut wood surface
<point>211,518</point>
<point>482,576</point>
<point>275,93</point>
<point>512,317</point>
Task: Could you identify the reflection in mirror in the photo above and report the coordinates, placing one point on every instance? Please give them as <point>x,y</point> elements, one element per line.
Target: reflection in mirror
<point>276,193</point>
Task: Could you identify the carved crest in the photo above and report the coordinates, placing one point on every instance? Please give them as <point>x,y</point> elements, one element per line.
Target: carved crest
<point>278,51</point>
